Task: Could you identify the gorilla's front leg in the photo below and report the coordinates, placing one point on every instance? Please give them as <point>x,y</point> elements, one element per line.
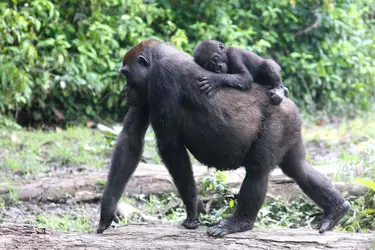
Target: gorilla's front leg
<point>251,197</point>
<point>125,158</point>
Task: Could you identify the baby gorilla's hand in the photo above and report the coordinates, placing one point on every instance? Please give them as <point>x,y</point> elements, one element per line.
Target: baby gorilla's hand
<point>207,85</point>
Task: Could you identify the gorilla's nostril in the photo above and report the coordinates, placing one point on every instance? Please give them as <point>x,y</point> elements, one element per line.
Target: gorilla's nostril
<point>124,70</point>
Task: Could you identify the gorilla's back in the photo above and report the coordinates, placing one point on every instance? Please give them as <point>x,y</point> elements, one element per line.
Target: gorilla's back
<point>219,130</point>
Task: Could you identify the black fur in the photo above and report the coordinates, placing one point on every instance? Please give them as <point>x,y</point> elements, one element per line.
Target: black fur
<point>231,129</point>
<point>243,68</point>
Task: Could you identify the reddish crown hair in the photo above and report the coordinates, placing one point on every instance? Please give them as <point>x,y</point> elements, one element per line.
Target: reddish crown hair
<point>133,52</point>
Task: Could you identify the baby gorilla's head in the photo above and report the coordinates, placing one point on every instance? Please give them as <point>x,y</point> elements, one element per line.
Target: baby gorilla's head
<point>211,55</point>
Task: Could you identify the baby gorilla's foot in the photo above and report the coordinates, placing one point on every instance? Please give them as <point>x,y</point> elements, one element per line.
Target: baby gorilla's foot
<point>332,218</point>
<point>229,225</point>
<point>188,224</point>
<point>286,91</point>
<point>276,95</point>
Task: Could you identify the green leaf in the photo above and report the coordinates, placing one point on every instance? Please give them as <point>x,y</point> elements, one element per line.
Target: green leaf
<point>231,203</point>
<point>368,183</point>
<point>49,42</point>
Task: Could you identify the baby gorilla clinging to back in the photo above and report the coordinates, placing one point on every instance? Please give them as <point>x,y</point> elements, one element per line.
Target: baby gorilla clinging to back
<point>243,68</point>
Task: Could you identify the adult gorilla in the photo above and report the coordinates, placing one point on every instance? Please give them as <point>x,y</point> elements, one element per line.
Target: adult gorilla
<point>230,129</point>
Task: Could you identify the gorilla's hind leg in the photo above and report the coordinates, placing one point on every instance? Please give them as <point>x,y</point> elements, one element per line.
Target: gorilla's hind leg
<point>251,197</point>
<point>316,186</point>
<point>252,193</point>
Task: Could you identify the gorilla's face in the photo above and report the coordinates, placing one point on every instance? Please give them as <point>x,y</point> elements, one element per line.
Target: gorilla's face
<point>136,73</point>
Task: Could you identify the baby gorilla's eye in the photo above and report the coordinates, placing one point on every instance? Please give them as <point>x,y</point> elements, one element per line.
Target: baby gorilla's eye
<point>210,66</point>
<point>216,59</point>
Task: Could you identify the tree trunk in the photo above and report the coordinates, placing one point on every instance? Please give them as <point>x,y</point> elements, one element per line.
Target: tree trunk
<point>167,236</point>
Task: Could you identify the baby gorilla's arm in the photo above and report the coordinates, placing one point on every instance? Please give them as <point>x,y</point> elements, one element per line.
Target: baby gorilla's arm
<point>241,79</point>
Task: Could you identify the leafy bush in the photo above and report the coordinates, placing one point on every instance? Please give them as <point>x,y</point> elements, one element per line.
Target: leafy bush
<point>64,55</point>
<point>326,50</point>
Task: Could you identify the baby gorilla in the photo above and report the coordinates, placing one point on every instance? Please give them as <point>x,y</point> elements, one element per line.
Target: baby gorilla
<point>238,68</point>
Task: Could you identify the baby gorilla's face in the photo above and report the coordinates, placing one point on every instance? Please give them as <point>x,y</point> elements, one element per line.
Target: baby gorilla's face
<point>211,55</point>
<point>216,64</point>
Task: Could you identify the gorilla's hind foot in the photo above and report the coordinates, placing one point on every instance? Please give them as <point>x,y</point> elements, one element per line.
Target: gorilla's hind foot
<point>229,225</point>
<point>331,219</point>
<point>188,224</point>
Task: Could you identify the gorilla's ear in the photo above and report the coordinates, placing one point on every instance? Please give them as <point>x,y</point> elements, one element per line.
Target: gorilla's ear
<point>143,61</point>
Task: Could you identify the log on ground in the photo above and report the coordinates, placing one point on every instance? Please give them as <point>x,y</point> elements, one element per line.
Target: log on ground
<point>152,179</point>
<point>167,236</point>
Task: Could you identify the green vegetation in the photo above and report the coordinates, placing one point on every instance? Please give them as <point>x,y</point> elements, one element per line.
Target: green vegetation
<point>64,223</point>
<point>298,213</point>
<point>28,153</point>
<point>349,145</point>
<point>13,194</point>
<point>100,182</point>
<point>64,55</point>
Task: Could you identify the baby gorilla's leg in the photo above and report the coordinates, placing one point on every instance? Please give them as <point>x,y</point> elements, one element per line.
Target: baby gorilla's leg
<point>269,74</point>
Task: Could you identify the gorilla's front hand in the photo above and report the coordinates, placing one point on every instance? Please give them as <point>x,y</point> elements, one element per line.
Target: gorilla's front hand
<point>107,215</point>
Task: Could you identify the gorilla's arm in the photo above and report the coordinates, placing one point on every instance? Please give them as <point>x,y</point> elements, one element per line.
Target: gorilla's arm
<point>124,161</point>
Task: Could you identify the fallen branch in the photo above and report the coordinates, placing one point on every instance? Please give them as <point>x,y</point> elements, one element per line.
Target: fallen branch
<point>150,179</point>
<point>167,236</point>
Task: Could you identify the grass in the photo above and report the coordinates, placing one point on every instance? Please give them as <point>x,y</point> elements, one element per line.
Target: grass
<point>64,223</point>
<point>350,145</point>
<point>13,195</point>
<point>28,153</point>
<point>275,213</point>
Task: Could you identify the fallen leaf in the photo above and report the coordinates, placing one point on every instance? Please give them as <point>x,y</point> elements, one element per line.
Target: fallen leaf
<point>14,137</point>
<point>58,114</point>
<point>91,124</point>
<point>41,231</point>
<point>40,158</point>
<point>89,148</point>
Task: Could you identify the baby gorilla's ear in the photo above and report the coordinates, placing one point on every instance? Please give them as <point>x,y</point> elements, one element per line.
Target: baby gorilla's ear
<point>221,47</point>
